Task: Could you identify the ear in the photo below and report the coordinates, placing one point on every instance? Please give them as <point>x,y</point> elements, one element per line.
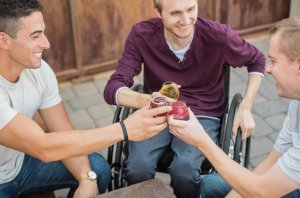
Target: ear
<point>157,12</point>
<point>4,40</point>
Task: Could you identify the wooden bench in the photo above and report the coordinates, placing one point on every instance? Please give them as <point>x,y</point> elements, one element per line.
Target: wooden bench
<point>153,188</point>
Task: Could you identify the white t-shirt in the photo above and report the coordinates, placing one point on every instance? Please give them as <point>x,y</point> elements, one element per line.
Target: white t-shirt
<point>35,89</point>
<point>288,143</point>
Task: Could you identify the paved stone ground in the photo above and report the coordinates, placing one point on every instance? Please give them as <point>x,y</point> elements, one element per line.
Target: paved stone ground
<point>87,109</point>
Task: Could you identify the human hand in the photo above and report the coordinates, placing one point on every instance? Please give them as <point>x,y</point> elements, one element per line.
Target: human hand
<point>244,120</point>
<point>86,189</point>
<point>146,122</point>
<point>190,131</point>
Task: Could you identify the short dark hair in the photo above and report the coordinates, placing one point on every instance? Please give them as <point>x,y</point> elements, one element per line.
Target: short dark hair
<point>12,10</point>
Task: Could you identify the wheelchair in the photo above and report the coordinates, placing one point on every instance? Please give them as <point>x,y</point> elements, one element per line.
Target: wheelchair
<point>235,148</point>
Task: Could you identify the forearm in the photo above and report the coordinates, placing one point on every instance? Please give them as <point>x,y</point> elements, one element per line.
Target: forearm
<point>63,142</point>
<point>77,165</point>
<point>268,162</point>
<point>68,144</point>
<point>231,171</point>
<point>56,146</point>
<point>251,91</point>
<point>263,167</point>
<point>133,99</point>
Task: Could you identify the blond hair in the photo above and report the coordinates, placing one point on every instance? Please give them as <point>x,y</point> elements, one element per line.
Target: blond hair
<point>289,37</point>
<point>158,5</point>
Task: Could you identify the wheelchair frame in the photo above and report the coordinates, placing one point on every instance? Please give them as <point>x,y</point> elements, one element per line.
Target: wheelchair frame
<point>236,149</point>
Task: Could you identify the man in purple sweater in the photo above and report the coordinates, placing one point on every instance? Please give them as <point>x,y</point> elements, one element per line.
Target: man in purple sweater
<point>193,52</point>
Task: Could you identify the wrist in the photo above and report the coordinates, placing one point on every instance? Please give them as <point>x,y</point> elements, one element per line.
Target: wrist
<point>85,182</point>
<point>204,141</point>
<point>89,187</point>
<point>144,100</point>
<point>246,104</point>
<point>88,175</point>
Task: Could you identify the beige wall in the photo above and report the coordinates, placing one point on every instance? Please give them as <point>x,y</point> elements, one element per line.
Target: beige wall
<point>295,9</point>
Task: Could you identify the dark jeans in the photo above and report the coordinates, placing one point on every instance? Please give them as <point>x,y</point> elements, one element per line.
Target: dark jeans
<point>185,167</point>
<point>214,186</point>
<point>36,177</point>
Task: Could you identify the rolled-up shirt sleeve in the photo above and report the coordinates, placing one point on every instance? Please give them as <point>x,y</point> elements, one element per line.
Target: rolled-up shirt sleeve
<point>117,93</point>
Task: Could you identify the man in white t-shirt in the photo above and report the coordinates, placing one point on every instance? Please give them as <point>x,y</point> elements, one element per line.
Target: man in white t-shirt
<point>279,174</point>
<point>32,161</point>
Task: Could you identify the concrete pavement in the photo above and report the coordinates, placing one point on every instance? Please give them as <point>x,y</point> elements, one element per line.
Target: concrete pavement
<point>87,109</point>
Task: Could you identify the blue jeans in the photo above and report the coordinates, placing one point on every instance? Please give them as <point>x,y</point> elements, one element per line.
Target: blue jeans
<point>36,177</point>
<point>214,186</point>
<point>185,167</point>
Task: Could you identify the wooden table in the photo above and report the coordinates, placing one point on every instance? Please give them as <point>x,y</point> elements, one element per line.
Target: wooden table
<point>153,188</point>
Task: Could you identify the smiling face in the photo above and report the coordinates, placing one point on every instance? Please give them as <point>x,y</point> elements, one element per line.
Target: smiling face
<point>25,51</point>
<point>285,71</point>
<point>179,18</point>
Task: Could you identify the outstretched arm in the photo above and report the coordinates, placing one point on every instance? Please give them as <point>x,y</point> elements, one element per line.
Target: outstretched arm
<point>23,134</point>
<point>262,168</point>
<point>245,182</point>
<point>64,143</point>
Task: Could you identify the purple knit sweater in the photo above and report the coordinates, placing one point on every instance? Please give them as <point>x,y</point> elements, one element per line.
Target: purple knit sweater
<point>201,73</point>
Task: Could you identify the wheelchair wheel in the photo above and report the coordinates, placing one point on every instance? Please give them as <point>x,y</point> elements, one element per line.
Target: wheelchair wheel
<point>229,122</point>
<point>235,148</point>
<point>241,152</point>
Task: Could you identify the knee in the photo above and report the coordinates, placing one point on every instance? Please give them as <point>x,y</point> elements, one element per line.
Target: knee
<point>102,169</point>
<point>139,170</point>
<point>213,185</point>
<point>184,170</point>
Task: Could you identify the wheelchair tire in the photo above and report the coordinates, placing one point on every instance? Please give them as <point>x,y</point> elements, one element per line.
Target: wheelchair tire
<point>230,118</point>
